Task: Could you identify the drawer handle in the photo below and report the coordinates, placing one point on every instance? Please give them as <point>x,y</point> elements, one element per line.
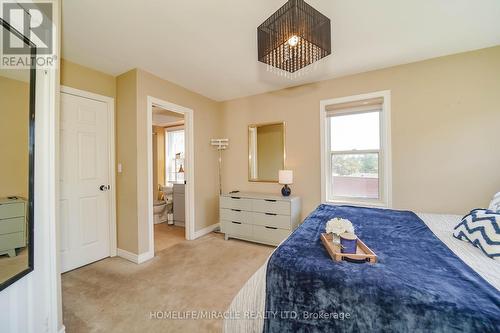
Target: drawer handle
<point>271,214</point>
<point>270,200</point>
<point>235,222</point>
<point>237,198</point>
<point>236,210</point>
<point>274,228</point>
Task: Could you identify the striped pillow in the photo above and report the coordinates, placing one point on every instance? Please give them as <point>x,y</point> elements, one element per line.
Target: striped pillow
<point>495,203</point>
<point>482,229</point>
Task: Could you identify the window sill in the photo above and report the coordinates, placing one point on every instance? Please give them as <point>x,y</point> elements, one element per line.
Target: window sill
<point>376,204</point>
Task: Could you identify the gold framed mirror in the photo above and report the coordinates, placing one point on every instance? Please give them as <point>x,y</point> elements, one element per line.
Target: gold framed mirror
<point>266,151</point>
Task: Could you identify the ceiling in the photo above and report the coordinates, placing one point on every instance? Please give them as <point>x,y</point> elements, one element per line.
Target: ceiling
<point>162,117</point>
<point>210,47</point>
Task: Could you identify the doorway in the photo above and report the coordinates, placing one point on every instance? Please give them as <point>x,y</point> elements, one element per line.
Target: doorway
<point>177,184</point>
<point>87,178</point>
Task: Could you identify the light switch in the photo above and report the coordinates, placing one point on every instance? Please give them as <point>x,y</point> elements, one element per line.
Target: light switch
<point>119,168</point>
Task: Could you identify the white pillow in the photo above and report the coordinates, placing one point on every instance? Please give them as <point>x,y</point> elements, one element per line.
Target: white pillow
<point>495,203</point>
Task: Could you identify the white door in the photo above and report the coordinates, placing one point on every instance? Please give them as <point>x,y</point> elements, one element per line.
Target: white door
<point>84,183</point>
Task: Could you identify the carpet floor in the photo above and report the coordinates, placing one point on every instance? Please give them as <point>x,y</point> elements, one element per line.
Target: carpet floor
<point>115,295</point>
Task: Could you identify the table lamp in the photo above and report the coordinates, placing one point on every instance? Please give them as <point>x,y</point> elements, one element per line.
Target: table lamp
<point>285,178</point>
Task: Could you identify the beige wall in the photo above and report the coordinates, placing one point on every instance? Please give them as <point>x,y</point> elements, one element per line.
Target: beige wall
<point>207,124</point>
<point>131,90</point>
<point>84,78</point>
<point>126,154</point>
<point>14,137</point>
<point>445,134</point>
<point>445,131</point>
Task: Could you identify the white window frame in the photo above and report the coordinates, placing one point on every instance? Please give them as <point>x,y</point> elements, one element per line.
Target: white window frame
<point>167,131</point>
<point>385,158</point>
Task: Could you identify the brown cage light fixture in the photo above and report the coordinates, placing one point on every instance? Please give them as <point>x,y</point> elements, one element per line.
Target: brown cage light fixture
<point>295,36</point>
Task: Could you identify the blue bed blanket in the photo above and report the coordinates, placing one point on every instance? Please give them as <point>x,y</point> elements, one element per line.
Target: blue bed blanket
<point>418,285</point>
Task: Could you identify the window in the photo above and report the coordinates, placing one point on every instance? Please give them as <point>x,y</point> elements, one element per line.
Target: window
<point>175,155</point>
<point>356,150</point>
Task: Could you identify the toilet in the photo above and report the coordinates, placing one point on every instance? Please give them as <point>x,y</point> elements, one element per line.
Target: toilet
<point>159,211</point>
<point>162,209</point>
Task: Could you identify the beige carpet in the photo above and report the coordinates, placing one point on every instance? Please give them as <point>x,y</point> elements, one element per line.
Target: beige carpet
<point>12,266</point>
<point>115,295</point>
<point>167,236</point>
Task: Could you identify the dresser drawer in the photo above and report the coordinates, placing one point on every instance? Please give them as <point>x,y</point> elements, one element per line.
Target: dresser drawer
<point>271,206</point>
<point>9,210</point>
<point>235,228</point>
<point>178,188</point>
<point>12,241</point>
<point>236,215</point>
<point>271,220</point>
<point>235,202</point>
<point>9,226</point>
<point>270,235</point>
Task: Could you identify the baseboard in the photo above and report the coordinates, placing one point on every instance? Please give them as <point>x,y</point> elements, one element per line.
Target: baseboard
<point>143,257</point>
<point>206,230</point>
<point>135,258</point>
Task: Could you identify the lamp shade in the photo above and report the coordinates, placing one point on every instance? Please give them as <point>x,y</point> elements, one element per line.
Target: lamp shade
<point>285,177</point>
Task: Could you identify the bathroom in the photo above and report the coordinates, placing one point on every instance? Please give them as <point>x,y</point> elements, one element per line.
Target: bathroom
<point>168,177</point>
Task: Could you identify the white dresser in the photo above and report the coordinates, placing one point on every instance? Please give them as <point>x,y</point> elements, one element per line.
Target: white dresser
<point>12,225</point>
<point>259,217</point>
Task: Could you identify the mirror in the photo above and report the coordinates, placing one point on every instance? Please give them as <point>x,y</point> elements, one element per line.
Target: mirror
<point>266,151</point>
<point>17,98</point>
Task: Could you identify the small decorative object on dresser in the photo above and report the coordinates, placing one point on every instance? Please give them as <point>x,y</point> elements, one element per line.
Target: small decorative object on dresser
<point>285,178</point>
<point>259,217</point>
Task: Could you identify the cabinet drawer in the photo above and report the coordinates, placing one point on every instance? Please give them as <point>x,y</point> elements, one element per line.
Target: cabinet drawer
<point>179,207</point>
<point>178,188</point>
<point>12,241</point>
<point>236,215</point>
<point>271,206</point>
<point>235,228</point>
<point>269,235</point>
<point>9,210</point>
<point>235,202</point>
<point>271,220</point>
<point>9,226</point>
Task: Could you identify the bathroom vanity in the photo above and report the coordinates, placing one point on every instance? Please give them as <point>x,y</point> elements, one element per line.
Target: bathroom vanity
<point>179,204</point>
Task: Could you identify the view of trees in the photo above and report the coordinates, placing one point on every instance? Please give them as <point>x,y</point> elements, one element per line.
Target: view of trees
<point>355,164</point>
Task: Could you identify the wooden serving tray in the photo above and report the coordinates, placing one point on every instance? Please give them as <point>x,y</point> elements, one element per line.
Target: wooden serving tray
<point>363,252</point>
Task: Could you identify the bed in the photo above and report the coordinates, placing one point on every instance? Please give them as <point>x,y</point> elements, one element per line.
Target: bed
<point>425,280</point>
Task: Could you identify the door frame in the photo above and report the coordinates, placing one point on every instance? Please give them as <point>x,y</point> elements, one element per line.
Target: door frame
<point>110,102</point>
<point>189,165</point>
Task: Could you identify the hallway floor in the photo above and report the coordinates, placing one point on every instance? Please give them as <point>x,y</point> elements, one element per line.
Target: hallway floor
<point>167,236</point>
<point>115,295</point>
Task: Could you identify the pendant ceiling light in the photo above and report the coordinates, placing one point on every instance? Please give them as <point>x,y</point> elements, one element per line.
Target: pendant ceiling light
<point>294,37</point>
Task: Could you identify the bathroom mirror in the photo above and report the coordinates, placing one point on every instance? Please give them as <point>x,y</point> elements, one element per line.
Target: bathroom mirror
<point>266,151</point>
<point>17,125</point>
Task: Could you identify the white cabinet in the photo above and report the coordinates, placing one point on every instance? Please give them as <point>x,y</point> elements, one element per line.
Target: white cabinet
<point>179,204</point>
<point>258,217</point>
<point>12,226</point>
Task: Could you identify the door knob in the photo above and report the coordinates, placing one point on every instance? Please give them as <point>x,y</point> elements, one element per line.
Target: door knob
<point>104,188</point>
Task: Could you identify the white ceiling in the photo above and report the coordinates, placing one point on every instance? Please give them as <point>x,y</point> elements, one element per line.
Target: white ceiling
<point>210,46</point>
<point>162,117</point>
